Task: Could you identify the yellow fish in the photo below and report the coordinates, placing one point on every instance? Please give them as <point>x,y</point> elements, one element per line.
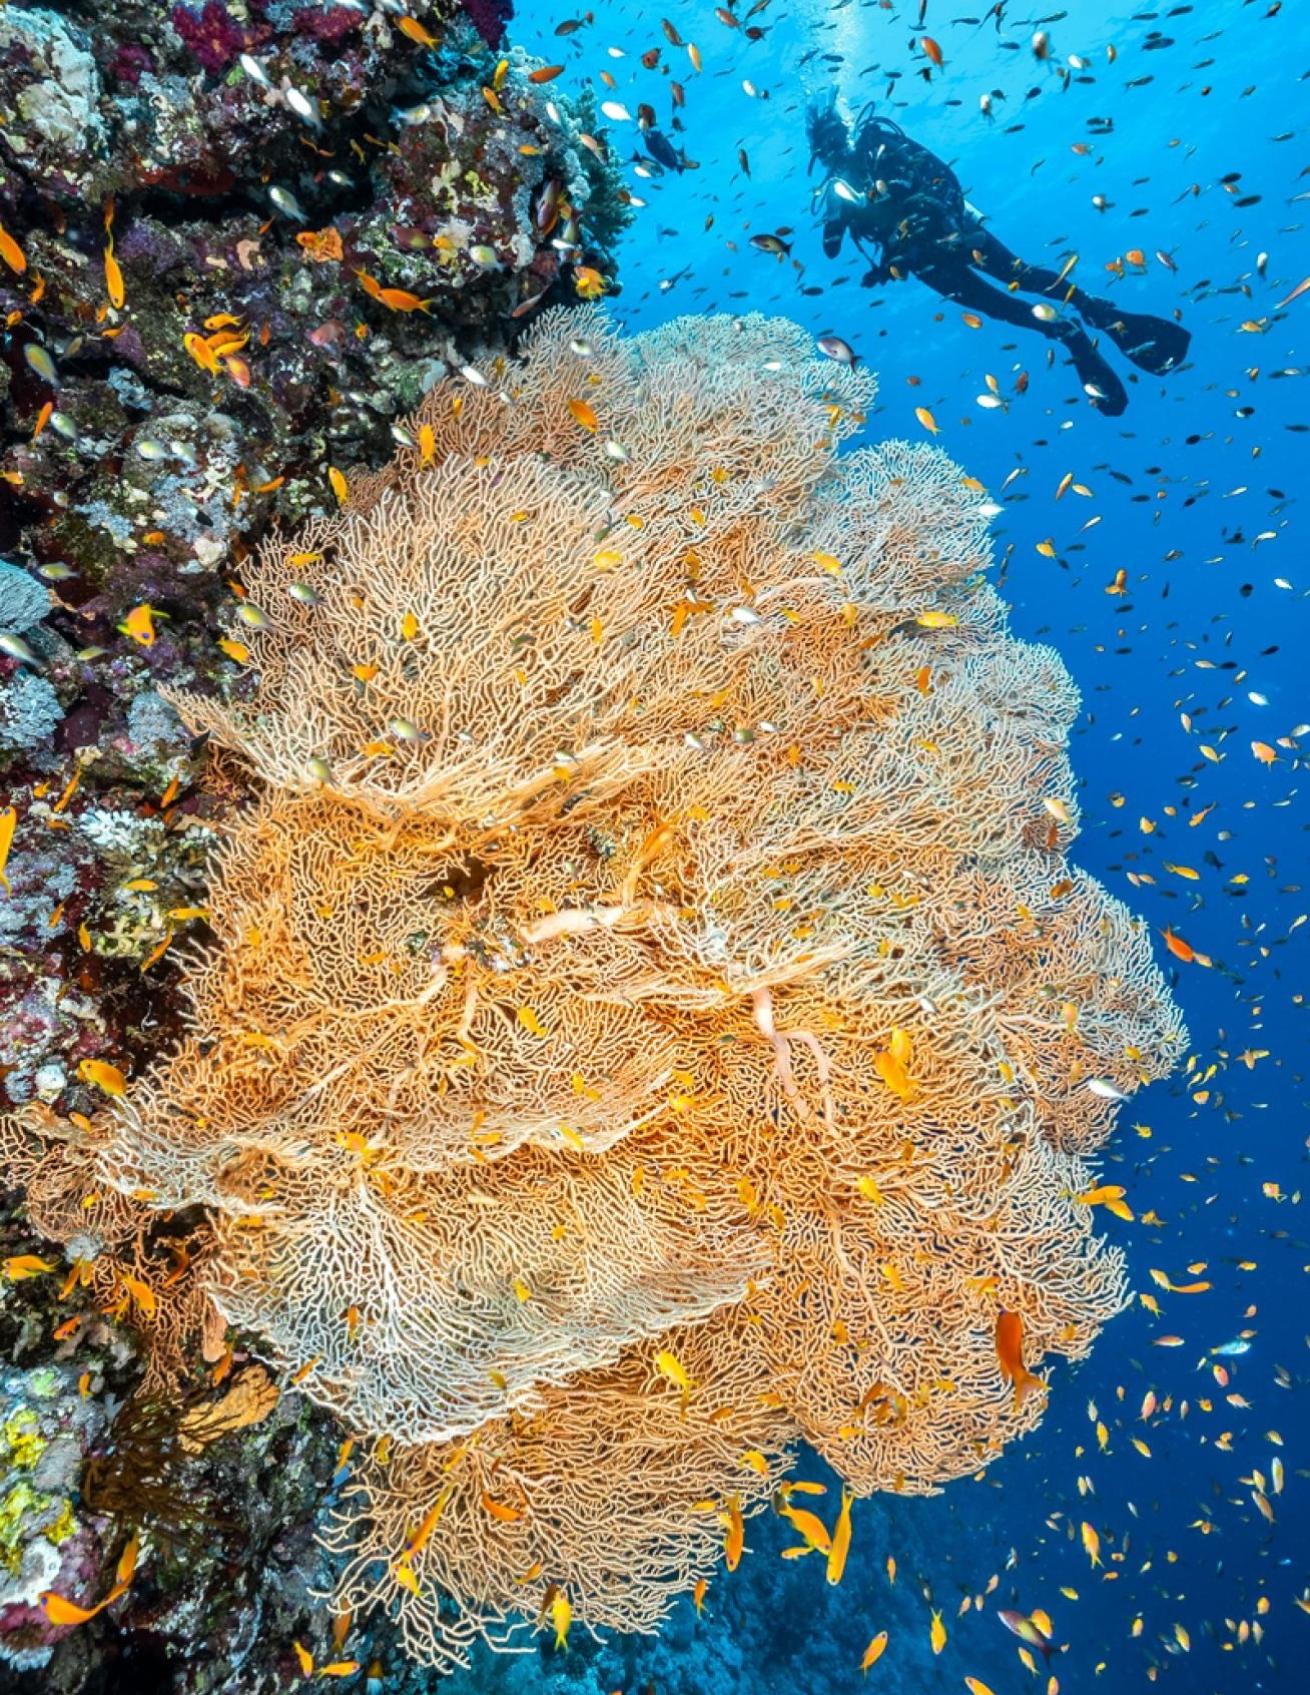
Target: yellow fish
<point>417,32</point>
<point>585,415</point>
<point>139,624</point>
<point>670,1366</point>
<point>103,1075</point>
<point>588,282</point>
<point>561,1616</point>
<point>937,1633</point>
<point>874,1652</point>
<point>8,824</point>
<point>894,1075</point>
<point>735,1542</point>
<point>114,278</point>
<point>1099,1196</point>
<point>811,1527</point>
<point>841,1540</point>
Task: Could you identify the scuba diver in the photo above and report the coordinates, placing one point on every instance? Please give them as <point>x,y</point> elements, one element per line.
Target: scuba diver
<point>882,188</point>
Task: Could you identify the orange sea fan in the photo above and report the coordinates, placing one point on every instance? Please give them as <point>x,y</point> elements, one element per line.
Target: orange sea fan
<point>654,941</point>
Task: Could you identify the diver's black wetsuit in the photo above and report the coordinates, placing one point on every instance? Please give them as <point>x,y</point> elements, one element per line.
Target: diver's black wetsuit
<point>885,189</point>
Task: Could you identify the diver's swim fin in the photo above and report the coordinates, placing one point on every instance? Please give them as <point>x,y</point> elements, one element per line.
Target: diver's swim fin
<point>1099,379</point>
<point>1153,344</point>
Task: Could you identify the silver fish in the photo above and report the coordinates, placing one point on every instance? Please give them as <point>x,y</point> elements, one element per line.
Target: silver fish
<point>837,349</point>
<point>1105,1090</point>
<point>17,648</point>
<point>303,107</point>
<point>286,202</point>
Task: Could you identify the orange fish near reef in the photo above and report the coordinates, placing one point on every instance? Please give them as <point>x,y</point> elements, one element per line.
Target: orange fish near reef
<point>8,824</point>
<point>417,33</point>
<point>735,1542</point>
<point>1009,1351</point>
<point>841,1540</point>
<point>395,299</point>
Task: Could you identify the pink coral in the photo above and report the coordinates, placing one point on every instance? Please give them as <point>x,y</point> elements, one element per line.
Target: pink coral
<point>213,34</point>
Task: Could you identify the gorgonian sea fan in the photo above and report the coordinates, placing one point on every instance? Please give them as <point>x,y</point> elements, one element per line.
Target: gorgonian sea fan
<point>655,944</point>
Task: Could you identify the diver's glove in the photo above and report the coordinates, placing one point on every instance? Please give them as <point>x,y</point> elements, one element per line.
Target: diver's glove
<point>876,275</point>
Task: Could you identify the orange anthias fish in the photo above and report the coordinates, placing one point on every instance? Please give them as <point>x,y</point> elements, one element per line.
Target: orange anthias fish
<point>396,299</point>
<point>102,1075</point>
<point>11,252</point>
<point>139,624</point>
<point>417,32</point>
<point>588,282</point>
<point>60,1610</point>
<point>874,1652</point>
<point>114,278</point>
<point>841,1539</point>
<point>1009,1351</point>
<point>735,1541</point>
<point>810,1525</point>
<point>8,824</point>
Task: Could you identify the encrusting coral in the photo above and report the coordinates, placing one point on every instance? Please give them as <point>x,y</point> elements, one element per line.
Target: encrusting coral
<point>653,1017</point>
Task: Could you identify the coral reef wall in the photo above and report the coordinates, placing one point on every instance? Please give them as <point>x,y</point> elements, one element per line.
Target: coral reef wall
<point>236,241</point>
<point>238,238</point>
<point>652,1021</point>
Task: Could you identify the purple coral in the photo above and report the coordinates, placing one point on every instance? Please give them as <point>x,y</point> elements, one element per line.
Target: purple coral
<point>490,18</point>
<point>212,34</point>
<point>130,62</point>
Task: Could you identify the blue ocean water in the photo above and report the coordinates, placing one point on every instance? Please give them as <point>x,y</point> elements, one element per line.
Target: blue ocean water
<point>1188,142</point>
